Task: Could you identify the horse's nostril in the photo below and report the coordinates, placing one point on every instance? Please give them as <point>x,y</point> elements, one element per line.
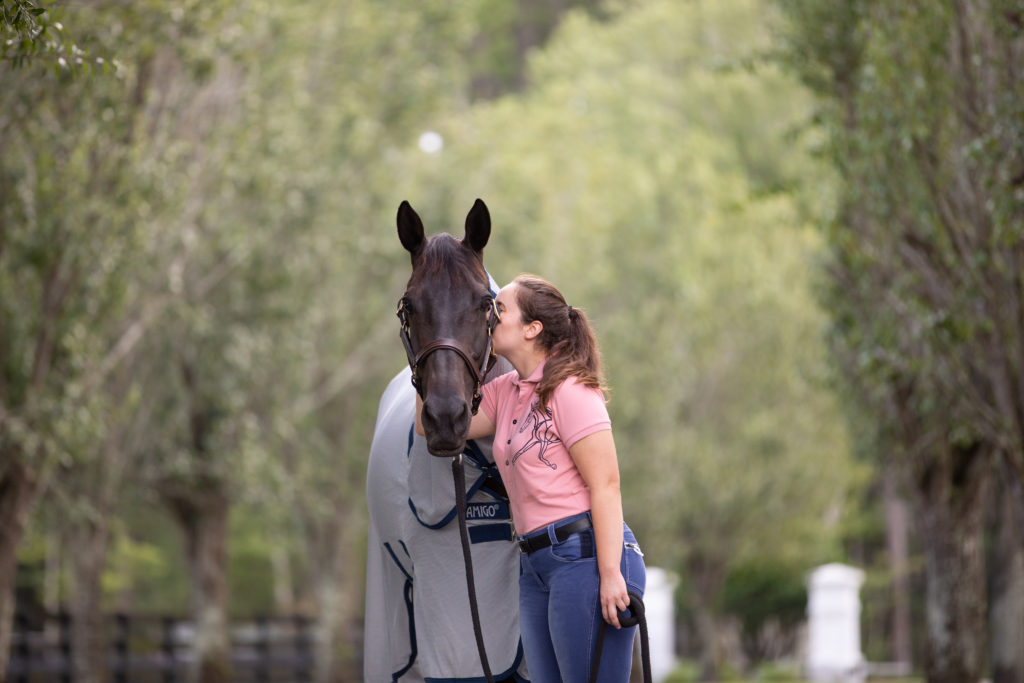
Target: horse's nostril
<point>460,422</point>
<point>433,417</point>
<point>445,415</point>
<point>427,416</point>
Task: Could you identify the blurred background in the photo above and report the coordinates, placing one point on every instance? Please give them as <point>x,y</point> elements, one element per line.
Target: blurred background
<point>796,227</point>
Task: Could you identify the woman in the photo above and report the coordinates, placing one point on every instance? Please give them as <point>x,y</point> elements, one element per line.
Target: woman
<point>553,445</point>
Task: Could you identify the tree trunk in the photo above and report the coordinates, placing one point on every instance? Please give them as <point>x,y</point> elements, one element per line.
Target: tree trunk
<point>706,581</point>
<point>336,586</point>
<point>52,571</point>
<point>1013,478</point>
<point>88,555</point>
<point>329,610</point>
<point>204,521</point>
<point>951,496</point>
<point>897,531</point>
<point>18,489</point>
<point>98,485</point>
<point>281,570</point>
<point>1006,609</point>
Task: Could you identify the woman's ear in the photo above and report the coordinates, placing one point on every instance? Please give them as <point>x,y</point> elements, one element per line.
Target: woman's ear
<point>534,329</point>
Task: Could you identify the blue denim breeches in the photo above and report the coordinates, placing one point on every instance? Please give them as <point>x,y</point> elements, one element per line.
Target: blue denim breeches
<point>560,611</point>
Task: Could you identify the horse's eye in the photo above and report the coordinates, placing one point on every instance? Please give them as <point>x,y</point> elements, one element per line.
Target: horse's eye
<point>404,310</point>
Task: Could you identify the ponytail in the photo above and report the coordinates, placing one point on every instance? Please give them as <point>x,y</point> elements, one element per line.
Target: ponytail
<point>566,337</point>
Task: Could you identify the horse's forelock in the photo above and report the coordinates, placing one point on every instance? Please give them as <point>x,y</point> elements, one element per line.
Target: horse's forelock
<point>444,255</point>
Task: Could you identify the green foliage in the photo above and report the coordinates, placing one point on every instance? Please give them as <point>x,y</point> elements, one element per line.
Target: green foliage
<point>675,219</point>
<point>250,573</point>
<point>506,35</point>
<point>33,33</point>
<point>21,17</point>
<point>921,256</point>
<point>757,592</point>
<point>922,104</point>
<point>21,28</point>
<point>780,672</point>
<point>144,572</point>
<point>219,217</point>
<point>667,238</point>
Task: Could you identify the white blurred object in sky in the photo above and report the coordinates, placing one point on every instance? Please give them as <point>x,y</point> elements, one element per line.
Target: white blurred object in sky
<point>431,142</point>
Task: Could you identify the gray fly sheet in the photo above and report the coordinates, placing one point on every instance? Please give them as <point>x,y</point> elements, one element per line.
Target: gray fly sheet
<point>418,626</point>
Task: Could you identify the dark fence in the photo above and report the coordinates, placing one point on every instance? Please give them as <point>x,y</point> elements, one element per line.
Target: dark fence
<point>159,649</point>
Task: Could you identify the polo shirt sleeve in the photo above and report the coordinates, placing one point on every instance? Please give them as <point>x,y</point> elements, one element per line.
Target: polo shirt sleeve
<point>578,411</point>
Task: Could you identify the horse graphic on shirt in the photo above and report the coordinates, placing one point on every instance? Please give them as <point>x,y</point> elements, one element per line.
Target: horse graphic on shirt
<point>543,434</point>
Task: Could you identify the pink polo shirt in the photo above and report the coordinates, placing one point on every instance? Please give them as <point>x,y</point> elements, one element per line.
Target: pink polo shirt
<point>532,449</point>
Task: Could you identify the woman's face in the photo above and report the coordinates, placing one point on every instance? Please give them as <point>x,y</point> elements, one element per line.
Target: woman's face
<point>509,333</point>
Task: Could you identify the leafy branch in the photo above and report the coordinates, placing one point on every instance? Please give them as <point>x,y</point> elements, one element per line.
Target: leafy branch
<point>30,33</point>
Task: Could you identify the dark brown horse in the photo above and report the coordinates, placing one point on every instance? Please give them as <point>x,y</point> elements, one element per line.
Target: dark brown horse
<point>418,614</point>
<point>447,314</point>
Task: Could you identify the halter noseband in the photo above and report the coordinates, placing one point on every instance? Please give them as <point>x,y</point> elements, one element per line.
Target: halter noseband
<point>415,359</point>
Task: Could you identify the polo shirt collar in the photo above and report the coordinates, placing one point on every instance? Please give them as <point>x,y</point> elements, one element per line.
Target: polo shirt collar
<point>534,377</point>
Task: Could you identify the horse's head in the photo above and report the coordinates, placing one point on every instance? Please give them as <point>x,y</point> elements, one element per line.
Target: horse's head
<point>447,316</point>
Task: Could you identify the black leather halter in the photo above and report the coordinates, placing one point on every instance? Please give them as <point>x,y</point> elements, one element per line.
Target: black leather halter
<point>447,343</point>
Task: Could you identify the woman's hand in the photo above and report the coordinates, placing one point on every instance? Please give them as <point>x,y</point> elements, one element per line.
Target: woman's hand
<point>419,415</point>
<point>614,597</point>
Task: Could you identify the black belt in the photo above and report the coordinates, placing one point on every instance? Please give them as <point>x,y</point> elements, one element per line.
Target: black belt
<point>533,543</point>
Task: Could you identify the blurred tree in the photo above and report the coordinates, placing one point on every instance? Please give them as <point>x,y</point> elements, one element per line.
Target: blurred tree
<point>771,602</point>
<point>923,104</point>
<point>107,165</point>
<point>198,260</point>
<point>62,278</point>
<point>241,219</point>
<point>348,93</point>
<point>506,33</point>
<point>632,175</point>
<point>237,319</point>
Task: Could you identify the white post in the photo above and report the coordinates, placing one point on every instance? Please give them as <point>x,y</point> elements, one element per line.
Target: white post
<point>659,608</point>
<point>833,625</point>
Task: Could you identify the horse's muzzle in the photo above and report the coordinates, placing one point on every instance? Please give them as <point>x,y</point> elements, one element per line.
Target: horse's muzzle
<point>446,424</point>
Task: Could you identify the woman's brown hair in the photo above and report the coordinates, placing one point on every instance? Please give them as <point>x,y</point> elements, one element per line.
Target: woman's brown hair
<point>566,337</point>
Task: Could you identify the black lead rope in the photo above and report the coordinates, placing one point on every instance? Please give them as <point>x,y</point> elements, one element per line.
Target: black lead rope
<point>460,505</point>
<point>634,616</point>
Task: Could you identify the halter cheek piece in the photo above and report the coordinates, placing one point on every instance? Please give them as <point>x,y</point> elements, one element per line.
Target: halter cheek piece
<point>415,359</point>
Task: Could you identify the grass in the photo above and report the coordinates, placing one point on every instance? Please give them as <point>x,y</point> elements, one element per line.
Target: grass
<point>683,678</point>
<point>689,672</point>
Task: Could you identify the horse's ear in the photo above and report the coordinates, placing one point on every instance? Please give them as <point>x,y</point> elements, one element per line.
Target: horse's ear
<point>478,227</point>
<point>410,228</point>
